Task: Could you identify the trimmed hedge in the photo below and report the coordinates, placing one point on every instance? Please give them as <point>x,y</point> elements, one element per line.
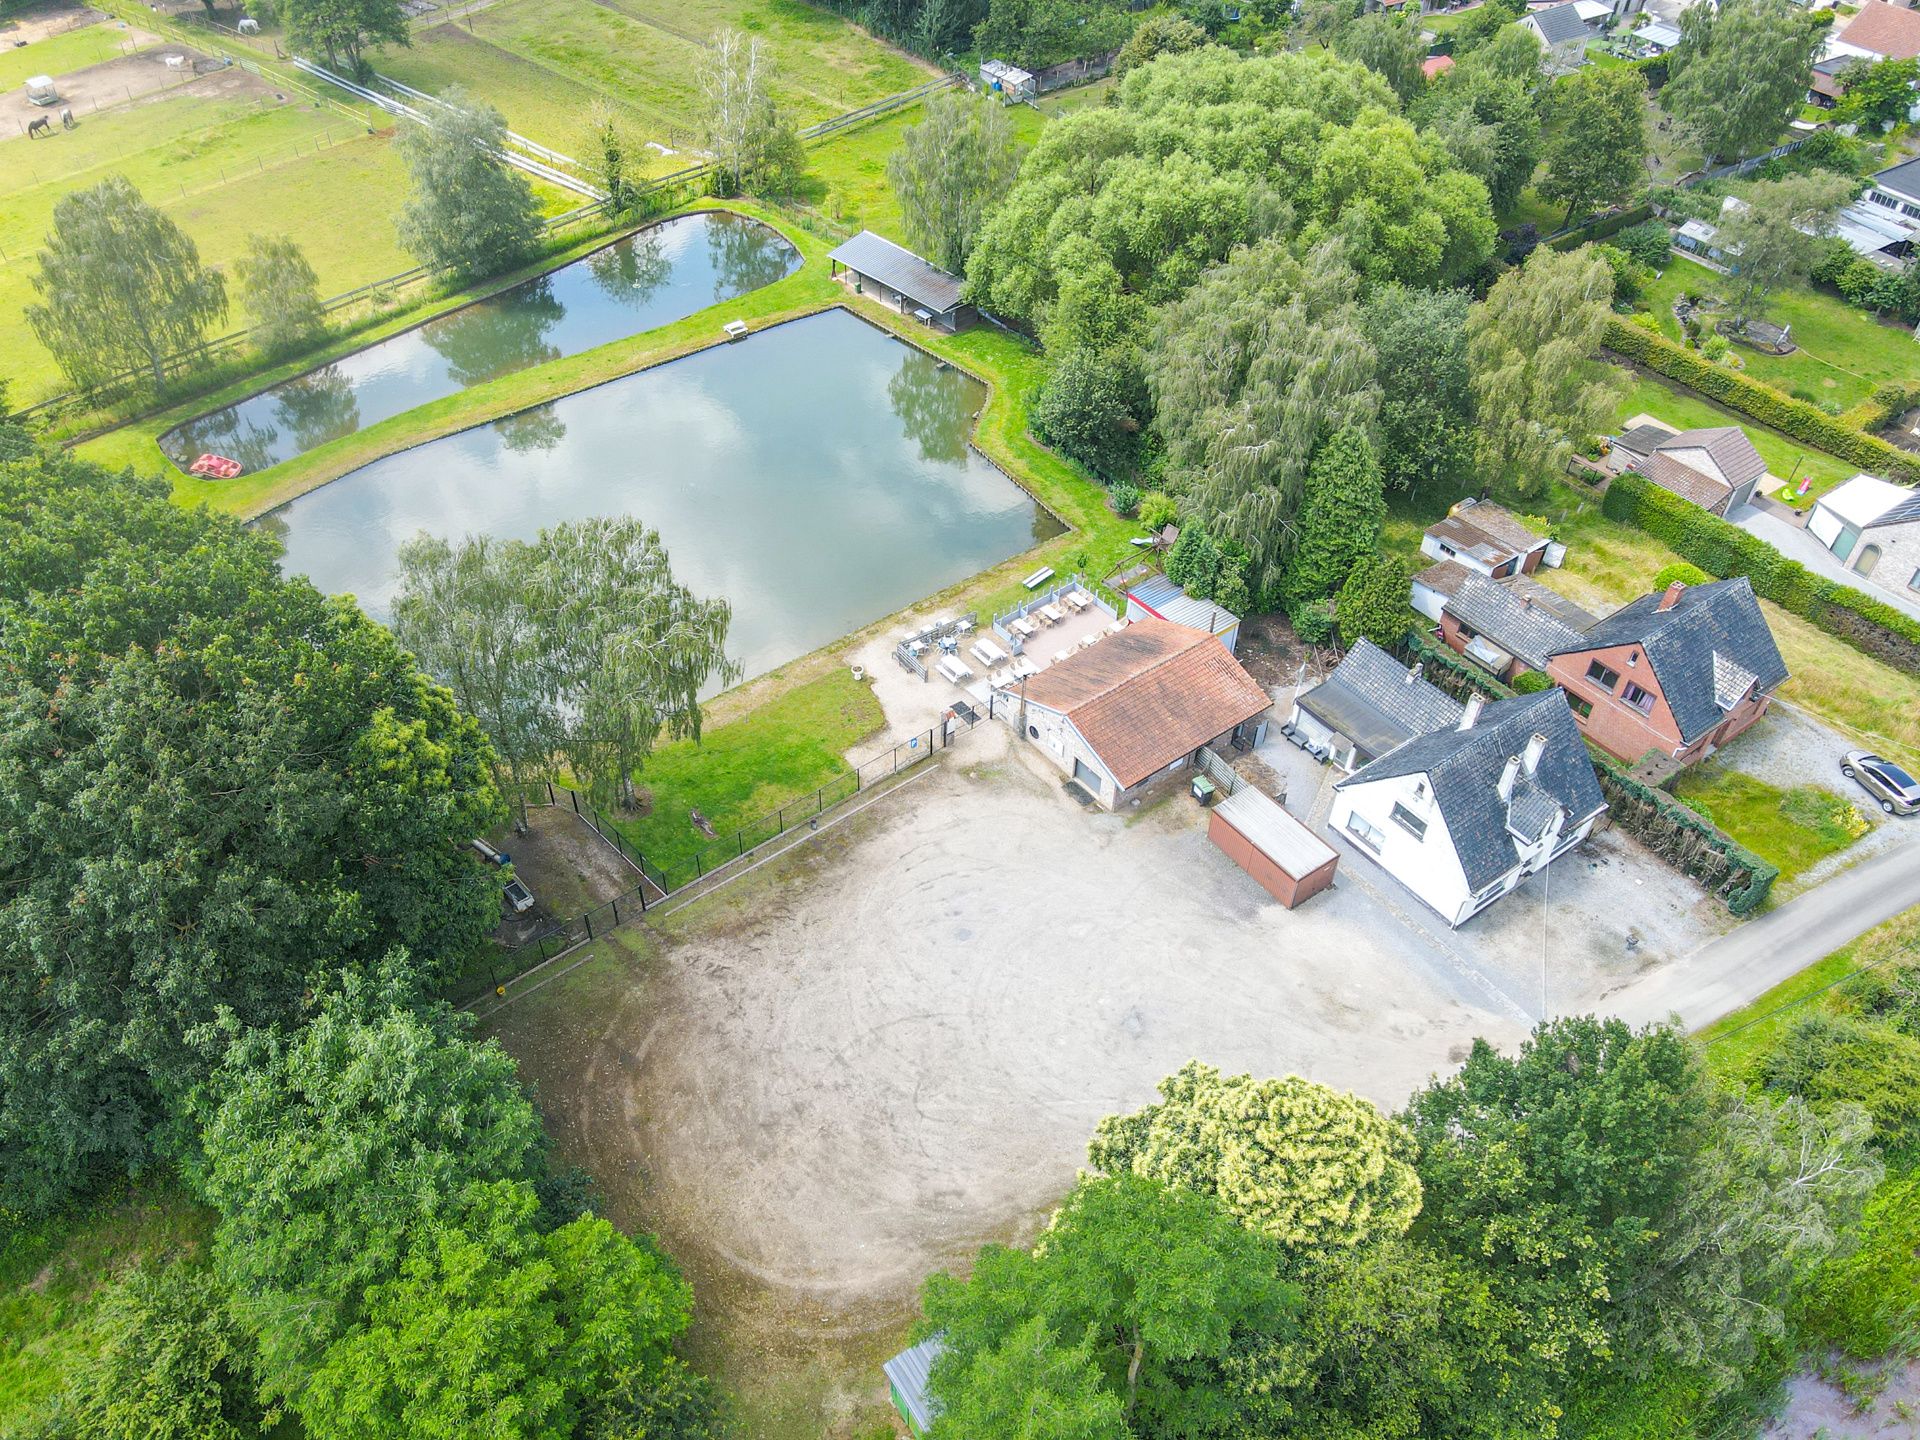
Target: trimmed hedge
<point>1684,838</point>
<point>1601,229</point>
<point>1724,549</point>
<point>1769,406</point>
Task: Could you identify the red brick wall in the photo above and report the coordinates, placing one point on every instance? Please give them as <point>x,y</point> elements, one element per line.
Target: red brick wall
<point>1620,729</point>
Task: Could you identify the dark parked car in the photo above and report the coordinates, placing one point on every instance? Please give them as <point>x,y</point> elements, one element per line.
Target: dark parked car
<point>1896,790</point>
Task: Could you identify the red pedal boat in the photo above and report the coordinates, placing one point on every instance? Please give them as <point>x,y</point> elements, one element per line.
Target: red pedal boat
<point>215,467</point>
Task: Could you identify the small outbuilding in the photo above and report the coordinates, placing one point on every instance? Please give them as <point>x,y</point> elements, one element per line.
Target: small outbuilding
<point>898,277</point>
<point>1008,82</point>
<point>41,90</point>
<point>907,1375</point>
<point>1291,862</point>
<point>1160,598</point>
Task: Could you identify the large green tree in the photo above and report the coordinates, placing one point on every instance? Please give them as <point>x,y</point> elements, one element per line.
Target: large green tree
<point>1309,1167</point>
<point>1373,602</point>
<point>1388,44</point>
<point>1778,231</point>
<point>1249,372</point>
<point>344,29</point>
<point>1538,390</point>
<point>121,288</point>
<point>1425,421</point>
<point>1342,509</point>
<point>1600,137</point>
<point>949,170</point>
<point>221,787</point>
<point>1491,128</point>
<point>1877,93</point>
<point>468,210</point>
<point>1157,1282</point>
<point>1740,72</point>
<point>281,295</point>
<point>1038,33</point>
<point>753,142</point>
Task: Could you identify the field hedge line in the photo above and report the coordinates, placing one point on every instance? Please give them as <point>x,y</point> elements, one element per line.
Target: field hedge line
<point>1769,406</point>
<point>1723,549</point>
<point>1684,838</point>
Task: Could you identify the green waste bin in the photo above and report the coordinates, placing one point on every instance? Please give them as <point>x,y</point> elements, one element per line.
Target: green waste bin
<point>1203,789</point>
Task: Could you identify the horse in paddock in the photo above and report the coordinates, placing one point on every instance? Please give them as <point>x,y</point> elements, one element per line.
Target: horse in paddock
<point>37,128</point>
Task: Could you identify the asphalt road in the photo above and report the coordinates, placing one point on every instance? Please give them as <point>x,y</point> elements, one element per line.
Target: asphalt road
<point>1739,967</point>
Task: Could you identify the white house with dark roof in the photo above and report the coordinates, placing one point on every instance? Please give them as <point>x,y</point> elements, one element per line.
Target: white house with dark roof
<point>1490,540</point>
<point>1368,705</point>
<point>1462,815</point>
<point>1563,32</point>
<point>896,276</point>
<point>1873,526</point>
<point>1716,467</point>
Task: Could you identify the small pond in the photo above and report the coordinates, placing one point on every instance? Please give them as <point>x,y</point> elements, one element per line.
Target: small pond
<point>651,278</point>
<point>816,474</point>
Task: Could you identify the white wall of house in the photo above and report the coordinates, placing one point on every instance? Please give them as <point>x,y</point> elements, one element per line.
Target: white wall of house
<point>1426,864</point>
<point>1428,601</point>
<point>1438,549</point>
<point>1064,745</point>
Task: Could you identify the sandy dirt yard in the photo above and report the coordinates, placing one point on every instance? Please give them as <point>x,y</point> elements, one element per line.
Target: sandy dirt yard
<point>868,1057</point>
<point>139,79</point>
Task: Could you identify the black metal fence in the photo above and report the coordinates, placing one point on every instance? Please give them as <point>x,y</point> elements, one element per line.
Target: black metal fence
<point>681,879</point>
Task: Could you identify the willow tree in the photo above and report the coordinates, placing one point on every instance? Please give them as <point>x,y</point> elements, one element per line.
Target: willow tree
<point>1303,1164</point>
<point>469,209</point>
<point>121,287</point>
<point>1538,389</point>
<point>1249,371</point>
<point>949,171</point>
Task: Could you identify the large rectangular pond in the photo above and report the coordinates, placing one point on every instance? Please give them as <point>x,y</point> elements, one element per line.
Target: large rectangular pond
<point>651,278</point>
<point>816,474</point>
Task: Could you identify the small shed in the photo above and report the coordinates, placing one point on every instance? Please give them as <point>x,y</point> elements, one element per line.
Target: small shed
<point>1009,82</point>
<point>41,91</point>
<point>898,277</point>
<point>1291,862</point>
<point>907,1375</point>
<point>1161,598</point>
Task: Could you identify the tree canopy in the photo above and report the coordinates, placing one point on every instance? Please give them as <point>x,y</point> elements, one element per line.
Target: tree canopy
<point>1425,419</point>
<point>1601,139</point>
<point>344,29</point>
<point>468,208</point>
<point>281,294</point>
<point>754,144</point>
<point>1740,72</point>
<point>225,786</point>
<point>949,170</point>
<point>1778,231</point>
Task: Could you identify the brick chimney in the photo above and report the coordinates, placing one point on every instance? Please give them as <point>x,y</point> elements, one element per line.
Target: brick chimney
<point>1476,702</point>
<point>1672,595</point>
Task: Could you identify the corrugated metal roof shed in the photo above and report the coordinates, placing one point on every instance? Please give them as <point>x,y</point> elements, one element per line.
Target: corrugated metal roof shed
<point>907,1373</point>
<point>900,269</point>
<point>1160,596</point>
<point>1277,834</point>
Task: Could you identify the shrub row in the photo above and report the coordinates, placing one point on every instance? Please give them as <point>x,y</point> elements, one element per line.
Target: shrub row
<point>1769,406</point>
<point>1723,549</point>
<point>1683,838</point>
<point>1601,229</point>
<point>1686,840</point>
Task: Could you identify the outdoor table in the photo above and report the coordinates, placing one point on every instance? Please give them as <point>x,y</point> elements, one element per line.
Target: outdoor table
<point>1079,600</point>
<point>1025,626</point>
<point>1053,613</point>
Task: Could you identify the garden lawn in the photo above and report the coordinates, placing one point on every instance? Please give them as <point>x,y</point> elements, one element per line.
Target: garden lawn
<point>50,1274</point>
<point>64,53</point>
<point>741,770</point>
<point>1687,410</point>
<point>1792,830</point>
<point>1079,97</point>
<point>1609,564</point>
<point>1844,351</point>
<point>847,171</point>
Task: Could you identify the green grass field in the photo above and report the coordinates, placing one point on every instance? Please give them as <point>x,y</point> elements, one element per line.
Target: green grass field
<point>741,770</point>
<point>1793,830</point>
<point>222,169</point>
<point>1844,352</point>
<point>543,62</point>
<point>62,54</point>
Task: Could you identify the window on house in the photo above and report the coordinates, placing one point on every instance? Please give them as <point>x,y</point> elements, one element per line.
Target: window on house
<point>1409,822</point>
<point>1914,583</point>
<point>1881,198</point>
<point>1582,708</point>
<point>1603,676</point>
<point>1366,834</point>
<point>1641,700</point>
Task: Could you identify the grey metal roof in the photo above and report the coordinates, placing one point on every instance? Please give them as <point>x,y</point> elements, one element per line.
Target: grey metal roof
<point>894,266</point>
<point>1901,179</point>
<point>1561,24</point>
<point>1377,702</point>
<point>1553,602</point>
<point>1718,619</point>
<point>1464,769</point>
<point>1160,596</point>
<point>1643,439</point>
<point>1906,512</point>
<point>1275,833</point>
<point>907,1373</point>
<point>1525,630</point>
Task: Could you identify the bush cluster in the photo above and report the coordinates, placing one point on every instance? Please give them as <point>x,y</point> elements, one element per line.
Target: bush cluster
<point>1793,417</point>
<point>1871,627</point>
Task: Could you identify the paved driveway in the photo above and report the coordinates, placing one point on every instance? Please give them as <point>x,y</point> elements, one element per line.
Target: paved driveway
<point>1797,544</point>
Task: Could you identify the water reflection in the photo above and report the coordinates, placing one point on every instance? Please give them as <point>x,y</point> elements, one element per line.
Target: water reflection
<point>481,344</point>
<point>649,279</point>
<point>927,394</point>
<point>540,428</point>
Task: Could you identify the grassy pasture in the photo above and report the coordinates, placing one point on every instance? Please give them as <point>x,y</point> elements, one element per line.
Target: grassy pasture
<point>1791,829</point>
<point>223,169</point>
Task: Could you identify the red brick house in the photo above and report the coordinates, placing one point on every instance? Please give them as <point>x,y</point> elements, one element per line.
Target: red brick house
<point>1679,673</point>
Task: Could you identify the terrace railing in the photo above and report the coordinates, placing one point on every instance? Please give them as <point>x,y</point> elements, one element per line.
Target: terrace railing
<point>1075,581</point>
